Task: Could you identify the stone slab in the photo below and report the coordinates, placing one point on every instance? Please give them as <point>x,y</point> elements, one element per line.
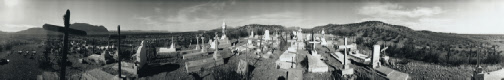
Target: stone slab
<point>348,71</point>
<point>165,50</point>
<point>316,65</point>
<point>295,74</point>
<point>287,57</point>
<point>392,74</point>
<point>193,55</point>
<point>285,65</point>
<point>206,63</point>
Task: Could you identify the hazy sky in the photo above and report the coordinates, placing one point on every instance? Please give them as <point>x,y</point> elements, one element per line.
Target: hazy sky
<point>458,16</point>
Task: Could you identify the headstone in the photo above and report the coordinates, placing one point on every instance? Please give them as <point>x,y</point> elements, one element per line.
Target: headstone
<point>376,56</point>
<point>266,35</point>
<point>141,55</point>
<point>172,44</point>
<point>212,43</point>
<point>223,31</point>
<point>323,42</point>
<point>216,54</point>
<point>203,48</point>
<point>251,34</point>
<point>299,35</point>
<point>197,43</point>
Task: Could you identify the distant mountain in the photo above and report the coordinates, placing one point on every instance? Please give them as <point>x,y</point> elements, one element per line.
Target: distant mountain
<point>403,42</point>
<point>372,31</point>
<point>36,30</point>
<point>90,29</point>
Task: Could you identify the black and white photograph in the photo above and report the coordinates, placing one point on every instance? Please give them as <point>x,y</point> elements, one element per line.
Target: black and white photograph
<point>251,39</point>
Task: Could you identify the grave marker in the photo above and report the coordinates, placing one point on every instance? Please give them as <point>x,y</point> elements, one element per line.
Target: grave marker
<point>67,31</point>
<point>266,35</point>
<point>375,57</point>
<point>346,69</point>
<point>203,48</point>
<point>314,52</point>
<point>197,43</point>
<point>118,37</point>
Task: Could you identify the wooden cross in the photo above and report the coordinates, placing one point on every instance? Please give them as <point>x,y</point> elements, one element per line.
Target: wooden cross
<point>67,31</point>
<point>118,37</point>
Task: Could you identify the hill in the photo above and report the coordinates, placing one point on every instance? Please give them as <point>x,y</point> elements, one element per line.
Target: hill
<point>403,42</point>
<point>90,29</point>
<point>379,31</point>
<point>1,32</point>
<point>36,30</point>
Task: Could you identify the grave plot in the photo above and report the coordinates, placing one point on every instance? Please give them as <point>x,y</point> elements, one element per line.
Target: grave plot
<point>204,63</point>
<point>286,61</point>
<point>316,65</point>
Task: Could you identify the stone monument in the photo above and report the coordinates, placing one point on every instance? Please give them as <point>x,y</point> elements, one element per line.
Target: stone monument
<point>346,68</point>
<point>266,35</point>
<point>375,59</point>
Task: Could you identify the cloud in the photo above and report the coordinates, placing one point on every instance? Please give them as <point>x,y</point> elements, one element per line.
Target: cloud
<point>14,27</point>
<point>205,11</point>
<point>286,18</point>
<point>196,17</point>
<point>396,10</point>
<point>157,9</point>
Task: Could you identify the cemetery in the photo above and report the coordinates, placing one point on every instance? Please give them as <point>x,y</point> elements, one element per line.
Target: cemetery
<point>218,54</point>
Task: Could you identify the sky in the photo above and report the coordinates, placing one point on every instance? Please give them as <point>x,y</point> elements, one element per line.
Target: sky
<point>453,16</point>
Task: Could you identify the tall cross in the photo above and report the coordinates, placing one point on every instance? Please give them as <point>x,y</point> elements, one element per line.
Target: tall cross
<point>67,31</point>
<point>172,44</point>
<point>197,43</point>
<point>345,57</point>
<point>313,42</point>
<point>118,37</point>
<point>203,44</point>
<point>216,41</point>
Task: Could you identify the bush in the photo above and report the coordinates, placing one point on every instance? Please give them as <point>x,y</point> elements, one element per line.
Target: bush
<point>493,59</point>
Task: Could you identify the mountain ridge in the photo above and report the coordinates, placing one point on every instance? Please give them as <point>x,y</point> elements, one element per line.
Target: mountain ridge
<point>90,29</point>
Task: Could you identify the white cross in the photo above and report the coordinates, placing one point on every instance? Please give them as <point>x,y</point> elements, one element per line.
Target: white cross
<point>314,42</point>
<point>345,65</point>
